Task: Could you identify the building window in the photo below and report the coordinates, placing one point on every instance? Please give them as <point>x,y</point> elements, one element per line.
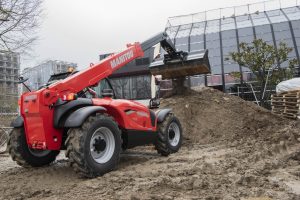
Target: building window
<point>142,61</point>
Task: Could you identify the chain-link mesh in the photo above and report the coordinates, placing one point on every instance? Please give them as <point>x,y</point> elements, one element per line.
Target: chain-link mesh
<point>8,98</point>
<point>5,128</point>
<point>8,109</point>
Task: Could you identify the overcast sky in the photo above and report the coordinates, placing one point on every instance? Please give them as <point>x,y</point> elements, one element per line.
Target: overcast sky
<point>79,30</point>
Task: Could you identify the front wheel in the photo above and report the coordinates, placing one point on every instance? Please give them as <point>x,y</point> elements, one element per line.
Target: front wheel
<point>25,156</point>
<point>94,148</point>
<point>169,135</point>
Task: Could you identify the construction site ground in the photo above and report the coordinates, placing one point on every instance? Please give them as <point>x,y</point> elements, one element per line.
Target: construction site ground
<point>232,149</point>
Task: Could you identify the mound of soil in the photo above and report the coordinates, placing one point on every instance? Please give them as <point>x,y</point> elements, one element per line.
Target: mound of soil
<point>210,116</point>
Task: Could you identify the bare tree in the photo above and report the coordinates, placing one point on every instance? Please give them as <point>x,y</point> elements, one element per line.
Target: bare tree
<point>19,20</point>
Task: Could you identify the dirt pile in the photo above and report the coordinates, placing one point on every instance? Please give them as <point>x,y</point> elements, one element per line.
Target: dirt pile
<point>232,150</point>
<point>210,116</point>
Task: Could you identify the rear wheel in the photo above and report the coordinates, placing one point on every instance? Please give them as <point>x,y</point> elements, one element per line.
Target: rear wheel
<point>94,148</point>
<point>169,135</point>
<point>25,156</point>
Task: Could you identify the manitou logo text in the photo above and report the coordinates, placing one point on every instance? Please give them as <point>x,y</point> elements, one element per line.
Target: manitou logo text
<point>123,58</point>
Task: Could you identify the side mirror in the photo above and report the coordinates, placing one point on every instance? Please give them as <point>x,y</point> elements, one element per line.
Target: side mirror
<point>22,80</point>
<point>154,103</point>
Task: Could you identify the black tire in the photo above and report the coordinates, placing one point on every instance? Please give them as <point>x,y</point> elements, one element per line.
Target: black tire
<point>23,155</point>
<point>79,150</point>
<point>164,144</point>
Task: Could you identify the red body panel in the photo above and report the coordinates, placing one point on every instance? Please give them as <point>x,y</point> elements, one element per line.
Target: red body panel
<point>37,107</point>
<point>128,114</point>
<point>38,121</point>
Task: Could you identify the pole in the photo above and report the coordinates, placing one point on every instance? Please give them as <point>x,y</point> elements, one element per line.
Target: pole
<point>254,94</point>
<point>263,94</point>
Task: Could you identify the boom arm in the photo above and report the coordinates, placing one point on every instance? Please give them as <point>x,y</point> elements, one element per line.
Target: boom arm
<point>92,75</point>
<point>164,40</point>
<point>106,67</point>
<point>177,64</point>
<point>166,43</point>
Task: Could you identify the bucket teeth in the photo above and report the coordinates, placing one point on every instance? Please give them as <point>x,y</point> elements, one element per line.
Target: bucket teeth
<point>195,63</point>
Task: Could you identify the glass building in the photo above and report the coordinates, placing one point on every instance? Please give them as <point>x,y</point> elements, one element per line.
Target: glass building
<point>221,30</point>
<point>40,74</point>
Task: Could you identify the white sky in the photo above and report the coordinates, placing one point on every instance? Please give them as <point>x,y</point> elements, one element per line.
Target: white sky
<point>79,30</point>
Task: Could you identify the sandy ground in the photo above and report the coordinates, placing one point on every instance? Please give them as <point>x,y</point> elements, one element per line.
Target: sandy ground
<point>232,150</point>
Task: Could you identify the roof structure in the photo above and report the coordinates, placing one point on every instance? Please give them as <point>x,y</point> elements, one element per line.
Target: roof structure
<point>221,30</point>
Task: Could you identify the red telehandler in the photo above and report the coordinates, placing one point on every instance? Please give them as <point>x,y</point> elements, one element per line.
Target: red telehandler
<point>94,130</point>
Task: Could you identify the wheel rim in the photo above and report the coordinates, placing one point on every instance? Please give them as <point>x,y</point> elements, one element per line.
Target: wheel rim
<point>102,145</point>
<point>174,134</point>
<point>39,153</point>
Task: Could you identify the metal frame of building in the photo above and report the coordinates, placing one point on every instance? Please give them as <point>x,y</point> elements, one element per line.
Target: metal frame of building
<point>267,20</point>
<point>230,26</point>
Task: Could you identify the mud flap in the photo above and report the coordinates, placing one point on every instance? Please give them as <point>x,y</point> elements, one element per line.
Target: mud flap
<point>18,122</point>
<point>161,114</point>
<point>77,118</point>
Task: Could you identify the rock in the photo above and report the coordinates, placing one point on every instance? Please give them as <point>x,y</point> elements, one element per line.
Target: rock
<point>283,145</point>
<point>296,156</point>
<point>226,98</point>
<point>200,184</point>
<point>135,197</point>
<point>197,184</point>
<point>216,100</point>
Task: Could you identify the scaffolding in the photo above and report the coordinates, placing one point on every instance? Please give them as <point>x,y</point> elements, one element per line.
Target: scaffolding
<point>9,73</point>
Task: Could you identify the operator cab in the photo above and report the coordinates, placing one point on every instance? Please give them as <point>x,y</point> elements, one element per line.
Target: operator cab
<point>103,89</point>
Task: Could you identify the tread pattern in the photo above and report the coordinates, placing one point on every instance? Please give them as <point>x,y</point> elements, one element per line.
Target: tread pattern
<point>161,144</point>
<point>14,150</point>
<point>19,152</point>
<point>75,146</point>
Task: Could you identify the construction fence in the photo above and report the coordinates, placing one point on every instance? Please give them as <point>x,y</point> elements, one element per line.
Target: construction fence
<point>254,93</point>
<point>5,128</point>
<point>9,97</point>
